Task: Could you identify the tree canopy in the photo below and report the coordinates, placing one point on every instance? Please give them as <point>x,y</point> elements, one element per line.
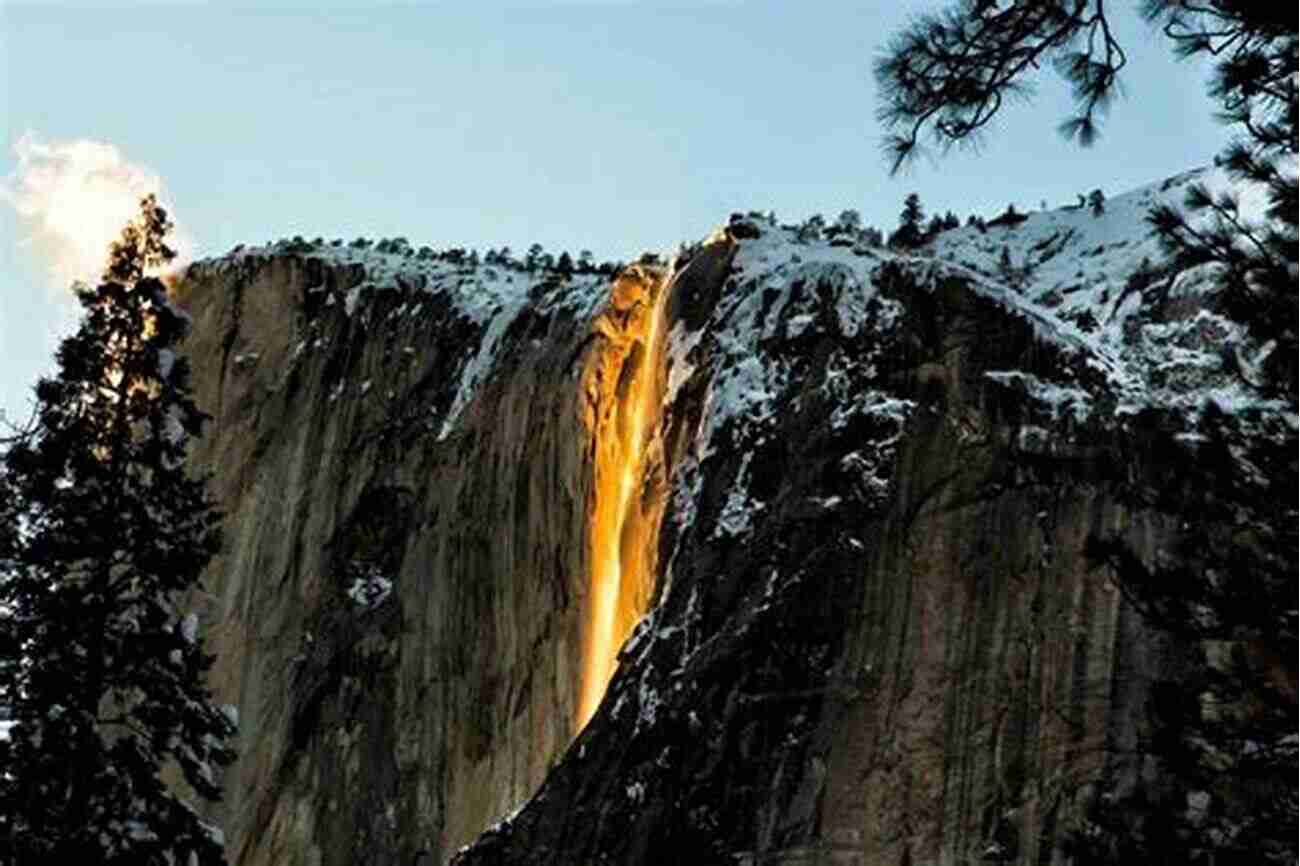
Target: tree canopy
<point>948,74</point>
<point>103,535</point>
<point>1213,781</point>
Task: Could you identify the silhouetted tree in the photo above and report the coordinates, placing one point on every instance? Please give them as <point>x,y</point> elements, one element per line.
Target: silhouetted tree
<point>102,534</point>
<point>811,229</point>
<point>1219,786</point>
<point>950,72</point>
<point>908,235</point>
<point>1222,732</point>
<point>850,221</point>
<point>1008,217</point>
<point>1097,202</point>
<point>534,259</point>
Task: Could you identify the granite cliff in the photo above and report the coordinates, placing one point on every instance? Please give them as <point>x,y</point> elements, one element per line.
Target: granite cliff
<point>808,514</point>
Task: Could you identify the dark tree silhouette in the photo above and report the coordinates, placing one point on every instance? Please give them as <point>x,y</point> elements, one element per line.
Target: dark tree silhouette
<point>1097,202</point>
<point>1213,781</point>
<point>103,535</point>
<point>909,234</point>
<point>1222,734</point>
<point>950,72</point>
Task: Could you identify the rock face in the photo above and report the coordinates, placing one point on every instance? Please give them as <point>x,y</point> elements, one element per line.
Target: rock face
<point>377,726</point>
<point>867,633</point>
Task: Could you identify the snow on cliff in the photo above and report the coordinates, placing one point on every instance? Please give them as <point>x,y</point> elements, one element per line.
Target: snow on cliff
<point>1092,284</point>
<point>487,296</point>
<point>1088,273</point>
<point>1081,278</point>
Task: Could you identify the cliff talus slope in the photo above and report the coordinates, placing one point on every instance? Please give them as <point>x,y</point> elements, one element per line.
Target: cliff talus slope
<point>847,543</point>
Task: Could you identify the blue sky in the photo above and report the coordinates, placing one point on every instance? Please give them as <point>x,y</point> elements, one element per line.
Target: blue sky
<point>615,126</point>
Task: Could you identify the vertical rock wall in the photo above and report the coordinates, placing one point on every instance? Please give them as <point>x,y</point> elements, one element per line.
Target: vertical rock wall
<point>377,725</point>
<point>994,670</point>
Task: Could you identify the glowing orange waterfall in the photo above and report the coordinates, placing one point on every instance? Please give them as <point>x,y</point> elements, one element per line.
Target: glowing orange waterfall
<point>625,515</point>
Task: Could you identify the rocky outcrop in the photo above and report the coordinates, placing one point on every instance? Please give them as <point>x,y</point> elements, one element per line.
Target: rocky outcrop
<point>867,632</point>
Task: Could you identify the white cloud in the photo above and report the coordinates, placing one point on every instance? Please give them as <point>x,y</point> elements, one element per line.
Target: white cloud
<point>73,199</point>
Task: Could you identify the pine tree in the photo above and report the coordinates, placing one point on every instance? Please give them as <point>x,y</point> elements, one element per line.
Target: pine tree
<point>1097,202</point>
<point>850,222</point>
<point>1214,778</point>
<point>103,535</point>
<point>908,235</point>
<point>1222,733</point>
<point>534,259</point>
<point>811,229</point>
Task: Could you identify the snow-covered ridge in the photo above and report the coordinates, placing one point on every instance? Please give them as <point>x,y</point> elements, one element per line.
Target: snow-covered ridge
<point>1101,277</point>
<point>480,287</point>
<point>785,292</point>
<point>1093,282</point>
<point>1082,277</point>
<point>489,293</point>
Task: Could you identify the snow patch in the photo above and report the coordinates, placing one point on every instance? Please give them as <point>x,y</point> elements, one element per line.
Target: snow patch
<point>190,628</point>
<point>370,590</point>
<point>680,345</point>
<point>1058,399</point>
<point>736,515</point>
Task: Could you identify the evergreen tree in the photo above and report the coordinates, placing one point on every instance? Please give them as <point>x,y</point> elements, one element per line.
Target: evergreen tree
<point>534,259</point>
<point>847,226</point>
<point>103,534</point>
<point>811,229</point>
<point>1222,734</point>
<point>1097,202</point>
<point>908,235</point>
<point>1214,779</point>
